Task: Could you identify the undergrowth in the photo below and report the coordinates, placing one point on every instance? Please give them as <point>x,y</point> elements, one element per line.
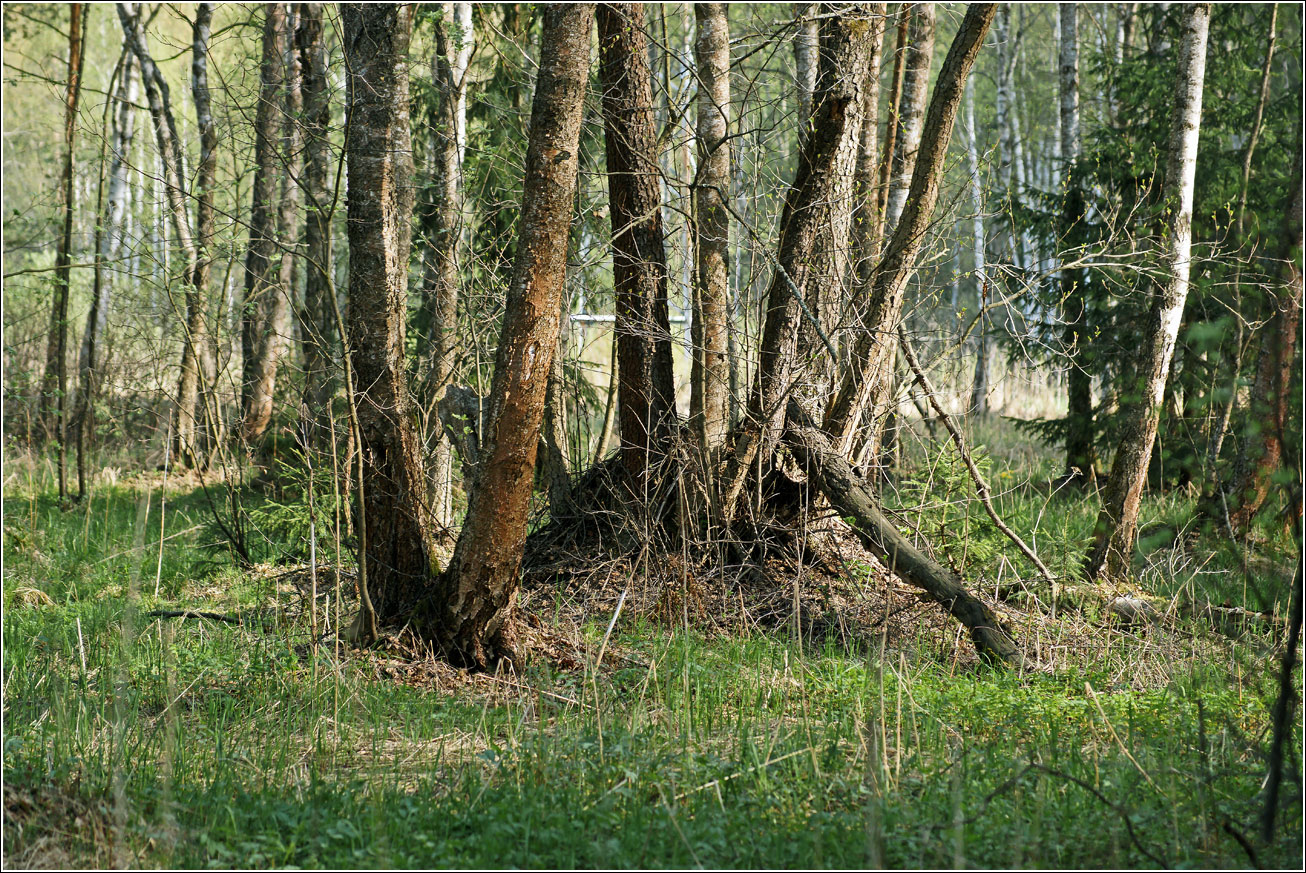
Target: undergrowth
<point>149,741</point>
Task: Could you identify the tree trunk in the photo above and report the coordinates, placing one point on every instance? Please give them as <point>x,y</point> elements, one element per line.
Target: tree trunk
<point>171,157</point>
<point>189,414</point>
<point>866,218</point>
<point>812,252</point>
<point>891,126</point>
<point>979,392</point>
<point>1117,523</point>
<point>396,524</point>
<point>1081,456</point>
<point>646,396</point>
<point>1266,442</point>
<point>911,115</point>
<point>877,343</point>
<point>265,300</point>
<point>470,614</point>
<point>442,221</point>
<point>710,376</point>
<point>854,501</point>
<point>806,51</point>
<point>554,459</point>
<point>907,144</point>
<point>317,325</point>
<point>109,235</point>
<point>55,383</point>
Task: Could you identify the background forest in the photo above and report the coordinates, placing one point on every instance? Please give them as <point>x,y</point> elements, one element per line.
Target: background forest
<point>652,435</point>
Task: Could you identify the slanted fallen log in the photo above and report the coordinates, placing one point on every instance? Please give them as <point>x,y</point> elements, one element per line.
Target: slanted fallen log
<point>852,497</point>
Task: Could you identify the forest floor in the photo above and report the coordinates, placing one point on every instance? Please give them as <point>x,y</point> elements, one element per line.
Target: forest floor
<point>688,731</point>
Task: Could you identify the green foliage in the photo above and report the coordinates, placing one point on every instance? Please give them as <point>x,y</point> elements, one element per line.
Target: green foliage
<point>1123,168</point>
<point>236,745</point>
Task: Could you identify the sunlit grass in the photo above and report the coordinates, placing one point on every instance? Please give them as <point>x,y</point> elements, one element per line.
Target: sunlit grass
<point>198,743</point>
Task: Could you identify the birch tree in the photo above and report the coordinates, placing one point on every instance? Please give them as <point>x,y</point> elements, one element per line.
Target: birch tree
<point>1117,523</point>
<point>110,232</point>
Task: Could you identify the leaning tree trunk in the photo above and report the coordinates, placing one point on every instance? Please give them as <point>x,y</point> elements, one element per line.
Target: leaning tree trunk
<point>264,303</point>
<point>811,257</point>
<point>1117,524</point>
<point>1262,451</point>
<point>317,324</point>
<point>442,225</point>
<point>396,523</point>
<point>646,395</point>
<point>108,241</point>
<point>470,614</point>
<point>171,157</point>
<point>710,375</point>
<point>855,502</point>
<point>1080,454</point>
<point>873,354</point>
<point>55,383</point>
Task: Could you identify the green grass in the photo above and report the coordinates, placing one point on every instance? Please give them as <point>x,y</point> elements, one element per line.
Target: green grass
<point>193,743</point>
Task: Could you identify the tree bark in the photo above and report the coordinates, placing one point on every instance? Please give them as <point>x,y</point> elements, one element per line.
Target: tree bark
<point>812,254</point>
<point>911,115</point>
<point>646,395</point>
<point>262,320</point>
<point>442,227</point>
<point>396,523</point>
<point>877,342</point>
<point>1117,524</point>
<point>710,376</point>
<point>891,125</point>
<point>188,445</point>
<point>866,216</point>
<point>55,383</point>
<point>316,320</point>
<point>855,501</point>
<point>470,614</point>
<point>1081,455</point>
<point>806,52</point>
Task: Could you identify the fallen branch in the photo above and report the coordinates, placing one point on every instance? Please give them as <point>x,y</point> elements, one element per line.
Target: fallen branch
<point>981,487</point>
<point>849,494</point>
